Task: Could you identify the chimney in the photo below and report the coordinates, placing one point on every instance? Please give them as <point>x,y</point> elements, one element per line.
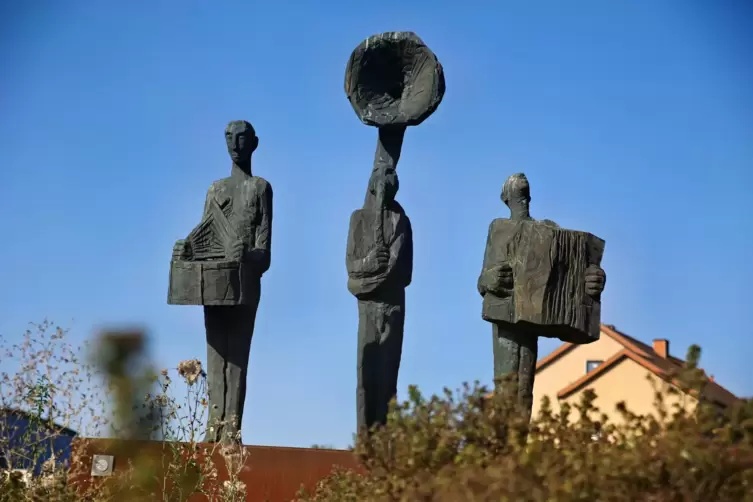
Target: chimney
<point>661,347</point>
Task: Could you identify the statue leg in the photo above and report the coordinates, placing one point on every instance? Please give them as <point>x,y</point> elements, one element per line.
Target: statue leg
<point>380,346</point>
<point>516,354</point>
<point>390,327</point>
<point>367,364</point>
<point>216,325</point>
<point>529,350</point>
<point>229,332</point>
<point>236,367</point>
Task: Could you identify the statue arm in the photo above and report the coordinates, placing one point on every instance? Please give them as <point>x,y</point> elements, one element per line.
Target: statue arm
<point>207,201</point>
<point>496,275</point>
<point>483,281</point>
<point>401,256</point>
<point>362,280</point>
<point>260,250</point>
<point>356,266</point>
<point>399,271</point>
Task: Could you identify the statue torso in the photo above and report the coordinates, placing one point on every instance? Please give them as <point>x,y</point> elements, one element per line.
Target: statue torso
<point>363,223</point>
<point>244,210</point>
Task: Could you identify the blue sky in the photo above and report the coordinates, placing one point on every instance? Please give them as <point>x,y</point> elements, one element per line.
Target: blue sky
<point>632,119</point>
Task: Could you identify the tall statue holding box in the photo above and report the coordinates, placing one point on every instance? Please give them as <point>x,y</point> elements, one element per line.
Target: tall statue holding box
<point>219,265</point>
<point>392,81</point>
<point>537,280</point>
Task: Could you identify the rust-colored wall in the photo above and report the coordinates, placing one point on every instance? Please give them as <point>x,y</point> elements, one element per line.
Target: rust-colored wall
<point>271,474</point>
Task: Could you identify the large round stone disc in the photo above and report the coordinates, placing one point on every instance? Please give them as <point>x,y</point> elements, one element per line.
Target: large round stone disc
<point>394,79</point>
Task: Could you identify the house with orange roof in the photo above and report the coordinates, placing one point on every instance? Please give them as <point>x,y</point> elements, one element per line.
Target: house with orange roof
<point>617,368</point>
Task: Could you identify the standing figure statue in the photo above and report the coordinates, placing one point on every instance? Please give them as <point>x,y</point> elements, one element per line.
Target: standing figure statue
<point>219,265</point>
<point>380,266</point>
<point>392,81</point>
<point>537,280</point>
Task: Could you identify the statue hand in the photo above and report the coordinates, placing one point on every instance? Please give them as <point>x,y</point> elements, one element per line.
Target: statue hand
<point>179,249</point>
<point>596,279</point>
<point>237,250</point>
<point>377,260</point>
<point>501,280</point>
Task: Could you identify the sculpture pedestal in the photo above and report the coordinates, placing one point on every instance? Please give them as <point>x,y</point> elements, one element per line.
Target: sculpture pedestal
<point>272,474</point>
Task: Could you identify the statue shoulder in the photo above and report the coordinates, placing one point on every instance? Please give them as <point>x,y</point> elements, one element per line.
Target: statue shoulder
<point>356,215</point>
<point>217,186</point>
<point>262,185</point>
<point>263,189</point>
<point>497,222</point>
<point>549,223</point>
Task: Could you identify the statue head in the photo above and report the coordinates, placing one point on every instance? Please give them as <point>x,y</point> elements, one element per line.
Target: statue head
<point>383,184</point>
<point>516,191</point>
<point>241,141</point>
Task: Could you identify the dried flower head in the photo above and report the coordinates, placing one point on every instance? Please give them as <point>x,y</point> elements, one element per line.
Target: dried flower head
<point>190,370</point>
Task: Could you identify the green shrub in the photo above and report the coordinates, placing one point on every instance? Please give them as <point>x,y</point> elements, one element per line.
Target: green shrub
<point>469,447</point>
<point>463,446</point>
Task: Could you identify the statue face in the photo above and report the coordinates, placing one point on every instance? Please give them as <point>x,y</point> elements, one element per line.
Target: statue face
<point>241,141</point>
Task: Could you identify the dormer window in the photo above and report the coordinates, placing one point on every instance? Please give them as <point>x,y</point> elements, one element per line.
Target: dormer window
<point>592,365</point>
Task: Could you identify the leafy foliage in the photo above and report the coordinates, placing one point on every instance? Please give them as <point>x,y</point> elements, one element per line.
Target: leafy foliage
<point>460,446</point>
<point>467,446</point>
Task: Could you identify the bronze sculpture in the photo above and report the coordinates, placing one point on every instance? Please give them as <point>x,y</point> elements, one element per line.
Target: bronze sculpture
<point>219,266</point>
<point>537,280</point>
<point>392,81</point>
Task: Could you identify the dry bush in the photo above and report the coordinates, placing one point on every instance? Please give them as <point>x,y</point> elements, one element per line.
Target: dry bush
<point>47,387</point>
<point>54,385</point>
<point>467,447</point>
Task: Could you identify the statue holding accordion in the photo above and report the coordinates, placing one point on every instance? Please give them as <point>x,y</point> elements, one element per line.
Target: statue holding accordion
<point>537,279</point>
<point>219,266</point>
